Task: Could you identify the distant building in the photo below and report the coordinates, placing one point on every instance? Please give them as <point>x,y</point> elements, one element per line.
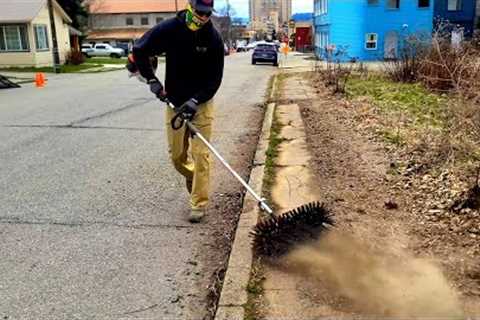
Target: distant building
<point>303,31</point>
<point>120,22</point>
<point>477,19</point>
<point>224,25</point>
<point>261,11</point>
<point>26,33</point>
<point>368,29</point>
<point>457,13</point>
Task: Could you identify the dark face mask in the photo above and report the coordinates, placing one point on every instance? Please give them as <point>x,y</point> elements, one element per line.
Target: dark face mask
<point>195,20</point>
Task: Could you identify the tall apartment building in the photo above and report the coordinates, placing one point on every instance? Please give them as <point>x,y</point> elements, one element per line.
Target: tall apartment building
<point>261,10</point>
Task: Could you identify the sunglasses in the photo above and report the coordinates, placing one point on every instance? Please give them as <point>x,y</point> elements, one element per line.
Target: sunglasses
<point>203,14</point>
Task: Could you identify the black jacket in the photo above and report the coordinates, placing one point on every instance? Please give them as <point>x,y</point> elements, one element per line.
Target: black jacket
<point>194,60</point>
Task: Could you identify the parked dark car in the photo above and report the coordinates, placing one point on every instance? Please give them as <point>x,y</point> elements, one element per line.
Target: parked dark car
<point>265,52</point>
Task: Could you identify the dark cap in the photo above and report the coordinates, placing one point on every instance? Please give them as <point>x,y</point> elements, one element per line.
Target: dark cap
<point>202,5</point>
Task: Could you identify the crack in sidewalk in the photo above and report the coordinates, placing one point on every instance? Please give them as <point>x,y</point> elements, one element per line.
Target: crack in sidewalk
<point>77,124</point>
<point>69,126</point>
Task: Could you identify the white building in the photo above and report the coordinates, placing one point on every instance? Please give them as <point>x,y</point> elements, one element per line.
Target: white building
<point>124,21</point>
<point>25,33</point>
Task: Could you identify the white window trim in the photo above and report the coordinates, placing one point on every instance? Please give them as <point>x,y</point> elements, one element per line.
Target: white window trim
<point>393,8</point>
<point>27,44</point>
<point>46,37</point>
<point>367,41</point>
<point>458,6</point>
<point>323,7</point>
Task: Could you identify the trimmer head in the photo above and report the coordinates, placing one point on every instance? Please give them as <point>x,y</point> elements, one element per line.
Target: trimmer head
<point>276,235</point>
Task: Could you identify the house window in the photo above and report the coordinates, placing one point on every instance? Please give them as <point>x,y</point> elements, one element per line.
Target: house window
<point>372,2</point>
<point>41,37</point>
<point>423,3</point>
<point>322,40</point>
<point>159,19</point>
<point>129,21</point>
<point>393,4</point>
<point>13,38</point>
<point>144,21</point>
<point>371,40</point>
<point>323,6</point>
<point>454,5</point>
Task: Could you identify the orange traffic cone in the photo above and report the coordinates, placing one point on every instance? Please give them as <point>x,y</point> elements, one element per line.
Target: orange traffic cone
<point>39,80</point>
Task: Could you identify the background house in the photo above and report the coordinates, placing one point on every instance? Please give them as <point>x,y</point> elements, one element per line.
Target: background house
<point>459,13</point>
<point>303,31</point>
<point>25,33</point>
<point>368,29</point>
<point>122,22</point>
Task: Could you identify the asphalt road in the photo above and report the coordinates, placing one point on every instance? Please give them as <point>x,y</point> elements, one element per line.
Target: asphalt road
<point>92,214</point>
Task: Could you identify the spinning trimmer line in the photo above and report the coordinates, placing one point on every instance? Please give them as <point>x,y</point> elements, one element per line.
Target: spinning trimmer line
<point>276,234</point>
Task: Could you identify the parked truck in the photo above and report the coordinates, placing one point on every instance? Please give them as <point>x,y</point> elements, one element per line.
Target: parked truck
<point>102,50</point>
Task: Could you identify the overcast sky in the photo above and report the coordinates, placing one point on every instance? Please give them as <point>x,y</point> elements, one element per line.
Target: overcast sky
<point>241,6</point>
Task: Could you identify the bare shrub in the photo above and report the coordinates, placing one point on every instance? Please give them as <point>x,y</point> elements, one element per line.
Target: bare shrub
<point>75,57</point>
<point>336,73</point>
<point>452,68</point>
<point>441,64</point>
<point>405,67</point>
<point>337,76</point>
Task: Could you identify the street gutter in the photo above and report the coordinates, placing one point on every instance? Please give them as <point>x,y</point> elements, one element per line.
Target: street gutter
<point>234,295</point>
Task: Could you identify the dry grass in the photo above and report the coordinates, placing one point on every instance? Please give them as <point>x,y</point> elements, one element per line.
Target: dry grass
<point>438,130</point>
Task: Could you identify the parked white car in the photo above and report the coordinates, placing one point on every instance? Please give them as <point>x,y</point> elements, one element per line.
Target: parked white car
<point>242,46</point>
<point>102,50</point>
<point>251,45</point>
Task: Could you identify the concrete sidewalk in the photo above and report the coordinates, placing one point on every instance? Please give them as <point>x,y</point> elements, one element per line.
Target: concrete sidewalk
<point>284,293</point>
<point>297,61</point>
<point>302,62</point>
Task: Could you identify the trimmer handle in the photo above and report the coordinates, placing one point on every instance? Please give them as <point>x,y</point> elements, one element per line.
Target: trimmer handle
<point>177,122</point>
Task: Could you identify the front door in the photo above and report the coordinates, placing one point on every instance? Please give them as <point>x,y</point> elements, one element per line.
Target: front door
<point>391,46</point>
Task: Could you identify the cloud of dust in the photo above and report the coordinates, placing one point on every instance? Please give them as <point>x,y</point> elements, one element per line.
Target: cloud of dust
<point>377,282</point>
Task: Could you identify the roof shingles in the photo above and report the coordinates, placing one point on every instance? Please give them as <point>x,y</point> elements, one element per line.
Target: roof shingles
<point>19,11</point>
<point>12,11</point>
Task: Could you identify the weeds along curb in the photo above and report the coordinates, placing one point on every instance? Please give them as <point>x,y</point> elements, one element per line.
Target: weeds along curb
<point>234,295</point>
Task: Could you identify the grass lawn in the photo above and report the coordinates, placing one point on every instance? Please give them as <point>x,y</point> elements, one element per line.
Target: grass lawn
<point>67,68</point>
<point>420,105</point>
<point>106,60</point>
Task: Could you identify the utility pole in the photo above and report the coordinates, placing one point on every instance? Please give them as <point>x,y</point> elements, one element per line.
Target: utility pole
<point>56,56</point>
<point>176,6</point>
<point>229,30</point>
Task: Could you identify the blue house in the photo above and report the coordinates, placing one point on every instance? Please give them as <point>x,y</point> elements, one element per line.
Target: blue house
<point>366,30</point>
<point>459,13</point>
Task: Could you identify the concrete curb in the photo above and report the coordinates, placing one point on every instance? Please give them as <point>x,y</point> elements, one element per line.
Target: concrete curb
<point>234,294</point>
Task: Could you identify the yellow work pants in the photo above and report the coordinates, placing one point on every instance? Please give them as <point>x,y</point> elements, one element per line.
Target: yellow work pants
<point>193,164</point>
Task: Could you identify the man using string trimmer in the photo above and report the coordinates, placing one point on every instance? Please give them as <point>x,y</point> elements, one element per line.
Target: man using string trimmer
<point>194,69</point>
<point>194,53</point>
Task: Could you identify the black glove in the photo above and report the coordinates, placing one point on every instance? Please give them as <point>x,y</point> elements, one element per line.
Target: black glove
<point>156,87</point>
<point>188,109</point>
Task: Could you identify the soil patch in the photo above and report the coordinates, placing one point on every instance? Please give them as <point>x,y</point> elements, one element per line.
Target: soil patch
<point>386,258</point>
<point>223,217</point>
